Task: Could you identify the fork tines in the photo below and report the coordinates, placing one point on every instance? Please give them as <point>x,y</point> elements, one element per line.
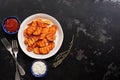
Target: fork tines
<point>6,43</point>
<point>14,44</point>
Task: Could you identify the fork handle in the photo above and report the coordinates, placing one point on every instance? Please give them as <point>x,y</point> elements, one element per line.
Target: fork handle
<point>21,70</point>
<point>17,75</point>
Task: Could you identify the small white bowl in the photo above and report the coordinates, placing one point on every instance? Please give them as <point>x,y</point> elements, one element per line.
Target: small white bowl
<point>37,68</point>
<point>58,41</point>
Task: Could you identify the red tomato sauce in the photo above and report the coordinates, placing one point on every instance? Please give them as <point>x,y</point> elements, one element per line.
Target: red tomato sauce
<point>11,25</point>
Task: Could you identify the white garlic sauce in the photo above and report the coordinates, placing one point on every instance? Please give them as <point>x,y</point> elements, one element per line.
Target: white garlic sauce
<point>39,67</point>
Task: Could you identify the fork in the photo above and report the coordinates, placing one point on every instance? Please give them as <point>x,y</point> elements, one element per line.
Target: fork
<point>15,52</point>
<point>9,48</point>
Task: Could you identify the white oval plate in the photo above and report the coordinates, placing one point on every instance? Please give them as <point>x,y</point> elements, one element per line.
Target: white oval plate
<point>58,41</point>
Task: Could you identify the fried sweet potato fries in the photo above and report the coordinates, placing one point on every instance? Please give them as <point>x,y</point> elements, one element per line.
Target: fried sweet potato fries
<point>40,35</point>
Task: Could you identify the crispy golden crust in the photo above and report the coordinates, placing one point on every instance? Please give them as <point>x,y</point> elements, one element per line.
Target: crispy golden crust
<point>39,37</point>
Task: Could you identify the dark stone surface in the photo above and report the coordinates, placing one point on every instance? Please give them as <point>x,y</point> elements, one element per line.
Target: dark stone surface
<point>96,51</point>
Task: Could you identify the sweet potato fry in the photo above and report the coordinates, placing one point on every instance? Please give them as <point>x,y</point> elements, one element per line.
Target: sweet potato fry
<point>36,50</point>
<point>40,36</point>
<point>32,24</point>
<point>42,43</point>
<point>51,37</point>
<point>37,31</point>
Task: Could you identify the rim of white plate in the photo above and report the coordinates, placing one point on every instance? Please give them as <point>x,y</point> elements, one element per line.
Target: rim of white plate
<point>58,41</point>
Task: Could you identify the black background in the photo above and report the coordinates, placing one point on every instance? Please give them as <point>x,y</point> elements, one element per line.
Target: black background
<point>96,26</point>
